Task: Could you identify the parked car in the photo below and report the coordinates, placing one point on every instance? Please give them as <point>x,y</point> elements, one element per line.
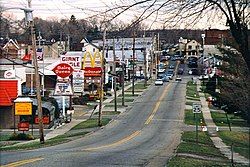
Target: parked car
<point>159,82</point>
<point>178,78</point>
<point>165,78</point>
<point>180,71</point>
<point>171,67</point>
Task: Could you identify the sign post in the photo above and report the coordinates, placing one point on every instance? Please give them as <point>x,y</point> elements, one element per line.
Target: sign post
<point>23,106</point>
<point>196,110</point>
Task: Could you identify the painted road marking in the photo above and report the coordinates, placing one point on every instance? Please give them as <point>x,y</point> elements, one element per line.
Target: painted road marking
<point>157,105</point>
<point>23,162</point>
<point>116,143</point>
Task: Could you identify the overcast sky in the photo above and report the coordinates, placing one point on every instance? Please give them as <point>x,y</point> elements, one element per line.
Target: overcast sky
<point>81,9</point>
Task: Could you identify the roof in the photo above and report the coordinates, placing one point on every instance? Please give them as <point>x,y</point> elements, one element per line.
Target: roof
<point>13,42</point>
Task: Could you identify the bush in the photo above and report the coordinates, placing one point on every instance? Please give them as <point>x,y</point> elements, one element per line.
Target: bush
<point>21,136</point>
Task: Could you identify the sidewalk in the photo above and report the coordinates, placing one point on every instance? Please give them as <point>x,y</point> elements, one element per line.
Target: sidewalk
<point>212,130</point>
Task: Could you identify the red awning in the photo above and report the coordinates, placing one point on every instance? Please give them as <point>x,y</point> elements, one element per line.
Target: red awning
<point>8,92</point>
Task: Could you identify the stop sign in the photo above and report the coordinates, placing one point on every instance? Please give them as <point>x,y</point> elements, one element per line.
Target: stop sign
<point>63,70</point>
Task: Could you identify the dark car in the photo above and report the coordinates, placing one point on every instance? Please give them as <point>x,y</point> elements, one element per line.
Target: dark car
<point>180,71</point>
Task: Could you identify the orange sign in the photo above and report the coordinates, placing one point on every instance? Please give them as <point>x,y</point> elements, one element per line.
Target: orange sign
<point>23,108</point>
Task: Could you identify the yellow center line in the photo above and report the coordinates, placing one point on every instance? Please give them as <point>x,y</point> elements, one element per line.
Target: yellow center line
<point>116,143</point>
<point>157,105</point>
<point>23,162</point>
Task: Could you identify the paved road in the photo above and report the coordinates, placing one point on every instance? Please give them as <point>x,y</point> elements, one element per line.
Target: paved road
<point>144,135</point>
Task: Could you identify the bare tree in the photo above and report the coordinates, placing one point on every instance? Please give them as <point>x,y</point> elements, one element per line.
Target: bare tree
<point>235,14</point>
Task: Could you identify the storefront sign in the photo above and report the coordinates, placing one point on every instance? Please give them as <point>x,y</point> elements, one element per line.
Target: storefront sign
<point>73,58</point>
<point>90,60</point>
<point>23,126</point>
<point>45,120</point>
<point>63,70</point>
<point>92,72</point>
<point>78,81</point>
<point>63,88</point>
<point>23,108</point>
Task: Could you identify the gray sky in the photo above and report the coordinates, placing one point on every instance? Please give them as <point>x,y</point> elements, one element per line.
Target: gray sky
<point>82,9</point>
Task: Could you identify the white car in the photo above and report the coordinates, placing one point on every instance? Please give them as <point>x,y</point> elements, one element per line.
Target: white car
<point>178,78</point>
<point>159,82</point>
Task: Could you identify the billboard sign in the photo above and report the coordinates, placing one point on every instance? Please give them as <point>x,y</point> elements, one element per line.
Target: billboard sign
<point>73,58</point>
<point>63,70</point>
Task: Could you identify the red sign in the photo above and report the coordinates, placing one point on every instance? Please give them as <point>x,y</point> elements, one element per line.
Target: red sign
<point>63,70</point>
<point>92,72</point>
<point>45,120</point>
<point>23,126</point>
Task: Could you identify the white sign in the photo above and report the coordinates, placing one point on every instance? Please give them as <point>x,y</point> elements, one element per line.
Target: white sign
<point>196,108</point>
<point>78,81</point>
<point>63,88</point>
<point>74,59</point>
<point>10,74</point>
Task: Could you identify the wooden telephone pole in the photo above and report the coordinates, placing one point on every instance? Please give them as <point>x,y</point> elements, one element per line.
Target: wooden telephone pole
<point>37,78</point>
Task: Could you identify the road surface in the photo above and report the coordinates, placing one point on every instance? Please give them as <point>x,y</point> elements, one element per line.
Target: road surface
<point>144,135</point>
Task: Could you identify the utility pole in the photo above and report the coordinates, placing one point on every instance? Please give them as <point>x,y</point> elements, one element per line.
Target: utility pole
<point>102,78</point>
<point>158,51</point>
<point>133,66</point>
<point>114,75</point>
<point>39,46</point>
<point>123,73</point>
<point>145,62</point>
<point>37,78</point>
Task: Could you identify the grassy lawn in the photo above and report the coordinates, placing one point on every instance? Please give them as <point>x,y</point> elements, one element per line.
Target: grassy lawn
<point>128,95</point>
<point>91,123</point>
<point>189,103</point>
<point>240,141</point>
<point>112,105</point>
<point>191,98</point>
<point>179,161</point>
<point>190,118</point>
<point>109,113</point>
<point>36,144</point>
<point>192,90</point>
<point>204,148</point>
<point>220,119</point>
<point>119,100</point>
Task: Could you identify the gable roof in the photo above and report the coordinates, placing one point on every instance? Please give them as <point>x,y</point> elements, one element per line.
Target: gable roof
<point>13,42</point>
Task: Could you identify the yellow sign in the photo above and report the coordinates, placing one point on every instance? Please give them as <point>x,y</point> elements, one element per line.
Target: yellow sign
<point>89,60</point>
<point>23,108</point>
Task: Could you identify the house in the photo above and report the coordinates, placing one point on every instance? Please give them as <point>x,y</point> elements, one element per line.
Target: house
<point>192,48</point>
<point>88,46</point>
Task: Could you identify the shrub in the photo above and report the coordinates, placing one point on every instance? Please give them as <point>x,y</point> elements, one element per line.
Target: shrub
<point>21,136</point>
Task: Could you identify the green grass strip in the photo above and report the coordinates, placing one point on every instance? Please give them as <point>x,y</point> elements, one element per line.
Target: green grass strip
<point>240,141</point>
<point>91,123</point>
<point>179,161</point>
<point>192,90</point>
<point>220,119</point>
<point>190,118</point>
